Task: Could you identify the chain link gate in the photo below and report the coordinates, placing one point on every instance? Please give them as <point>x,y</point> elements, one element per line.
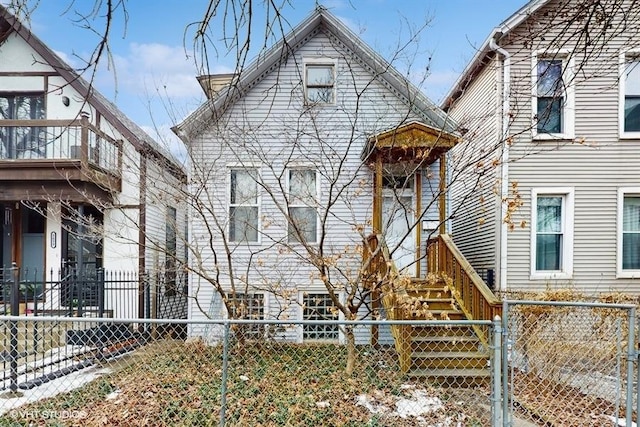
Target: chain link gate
<point>569,363</point>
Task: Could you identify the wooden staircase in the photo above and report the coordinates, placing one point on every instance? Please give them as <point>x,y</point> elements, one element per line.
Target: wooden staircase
<point>447,353</point>
<point>448,350</point>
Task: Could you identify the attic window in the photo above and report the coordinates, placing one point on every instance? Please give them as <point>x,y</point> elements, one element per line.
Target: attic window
<point>320,83</point>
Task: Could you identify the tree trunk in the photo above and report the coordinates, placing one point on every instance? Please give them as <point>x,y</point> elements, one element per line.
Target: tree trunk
<point>351,349</point>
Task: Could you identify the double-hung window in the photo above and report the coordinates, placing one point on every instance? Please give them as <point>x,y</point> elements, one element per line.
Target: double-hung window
<point>553,97</point>
<point>630,95</point>
<point>552,234</point>
<point>303,196</point>
<point>629,232</point>
<point>320,83</point>
<point>243,205</point>
<point>171,248</point>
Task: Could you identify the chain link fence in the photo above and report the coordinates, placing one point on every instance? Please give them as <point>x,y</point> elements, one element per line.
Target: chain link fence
<point>238,373</point>
<point>553,364</point>
<point>570,363</point>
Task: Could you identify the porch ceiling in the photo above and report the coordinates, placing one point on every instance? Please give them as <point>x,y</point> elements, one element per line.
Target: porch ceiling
<point>411,142</point>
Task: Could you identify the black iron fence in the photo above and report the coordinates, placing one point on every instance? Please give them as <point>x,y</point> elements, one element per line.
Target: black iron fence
<point>92,293</point>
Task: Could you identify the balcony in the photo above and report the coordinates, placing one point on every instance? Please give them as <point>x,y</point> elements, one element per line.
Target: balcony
<point>61,156</point>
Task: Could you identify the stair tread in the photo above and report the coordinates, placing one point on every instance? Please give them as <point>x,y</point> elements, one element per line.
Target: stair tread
<point>451,372</point>
<point>453,338</point>
<point>450,354</point>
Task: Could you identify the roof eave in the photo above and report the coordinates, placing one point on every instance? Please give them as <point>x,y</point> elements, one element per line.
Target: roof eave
<point>477,62</point>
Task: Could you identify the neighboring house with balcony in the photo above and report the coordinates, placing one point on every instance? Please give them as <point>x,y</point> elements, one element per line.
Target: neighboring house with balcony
<point>550,104</point>
<point>82,188</point>
<point>305,167</point>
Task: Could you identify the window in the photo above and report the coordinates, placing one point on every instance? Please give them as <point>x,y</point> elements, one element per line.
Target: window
<point>249,307</point>
<point>171,248</point>
<point>630,91</point>
<point>629,226</point>
<point>24,142</point>
<point>243,206</point>
<point>318,306</point>
<point>553,97</point>
<point>320,83</point>
<point>552,234</point>
<point>303,217</point>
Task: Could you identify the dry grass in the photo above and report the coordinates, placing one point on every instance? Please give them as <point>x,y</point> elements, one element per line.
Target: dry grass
<point>170,383</point>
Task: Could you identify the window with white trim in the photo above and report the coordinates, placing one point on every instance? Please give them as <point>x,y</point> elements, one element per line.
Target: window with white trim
<point>552,234</point>
<point>303,196</point>
<point>630,94</point>
<point>320,83</point>
<point>243,205</point>
<point>629,229</point>
<point>552,96</point>
<point>319,306</point>
<point>248,306</point>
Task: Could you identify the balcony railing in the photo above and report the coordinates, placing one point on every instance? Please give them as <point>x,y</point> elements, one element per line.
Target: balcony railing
<point>60,140</point>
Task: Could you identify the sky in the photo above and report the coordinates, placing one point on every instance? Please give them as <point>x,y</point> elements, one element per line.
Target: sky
<point>150,73</point>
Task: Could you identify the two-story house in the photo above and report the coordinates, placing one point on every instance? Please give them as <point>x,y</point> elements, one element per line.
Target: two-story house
<point>549,104</point>
<point>83,189</point>
<point>294,161</point>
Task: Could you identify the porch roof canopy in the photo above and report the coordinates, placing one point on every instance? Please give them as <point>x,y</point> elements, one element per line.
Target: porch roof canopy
<point>411,142</point>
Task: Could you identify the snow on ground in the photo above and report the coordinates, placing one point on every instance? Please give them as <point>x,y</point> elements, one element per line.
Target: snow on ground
<point>620,421</point>
<point>416,402</point>
<point>51,388</point>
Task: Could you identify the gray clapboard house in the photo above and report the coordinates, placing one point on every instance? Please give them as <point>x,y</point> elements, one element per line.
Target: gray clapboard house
<point>551,110</point>
<point>306,167</point>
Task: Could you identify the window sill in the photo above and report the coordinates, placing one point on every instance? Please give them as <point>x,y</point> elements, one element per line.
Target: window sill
<point>630,135</point>
<point>628,274</point>
<point>550,275</point>
<point>553,137</point>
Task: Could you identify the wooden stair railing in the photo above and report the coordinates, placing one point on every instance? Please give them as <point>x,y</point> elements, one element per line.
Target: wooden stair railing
<point>473,296</point>
<point>382,278</point>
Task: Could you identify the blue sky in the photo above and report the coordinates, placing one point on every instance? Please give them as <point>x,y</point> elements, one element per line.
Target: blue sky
<point>152,76</point>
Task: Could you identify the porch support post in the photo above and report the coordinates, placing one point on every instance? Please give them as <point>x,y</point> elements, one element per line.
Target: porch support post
<point>377,197</point>
<point>418,221</point>
<point>377,229</point>
<point>443,193</point>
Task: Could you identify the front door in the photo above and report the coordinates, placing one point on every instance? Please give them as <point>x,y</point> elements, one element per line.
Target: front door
<point>398,222</point>
<point>23,240</point>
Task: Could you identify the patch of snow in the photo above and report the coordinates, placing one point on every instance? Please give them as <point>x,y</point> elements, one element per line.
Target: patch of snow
<point>244,378</point>
<point>368,403</point>
<point>620,421</point>
<point>324,404</point>
<point>417,404</point>
<point>52,388</point>
<point>114,394</point>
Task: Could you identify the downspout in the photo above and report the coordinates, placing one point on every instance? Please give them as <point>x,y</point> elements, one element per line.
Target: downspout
<point>504,161</point>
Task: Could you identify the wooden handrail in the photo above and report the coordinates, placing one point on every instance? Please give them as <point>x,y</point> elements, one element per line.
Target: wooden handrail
<point>473,296</point>
<point>381,274</point>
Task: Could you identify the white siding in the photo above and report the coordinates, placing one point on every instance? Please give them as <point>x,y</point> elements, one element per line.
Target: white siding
<point>474,202</point>
<point>270,128</point>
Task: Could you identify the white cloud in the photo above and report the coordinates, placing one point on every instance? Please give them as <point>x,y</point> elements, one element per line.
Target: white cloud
<point>153,67</point>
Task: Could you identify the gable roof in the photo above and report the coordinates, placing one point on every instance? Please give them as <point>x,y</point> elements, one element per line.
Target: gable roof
<point>319,19</point>
<point>134,134</point>
<point>485,52</point>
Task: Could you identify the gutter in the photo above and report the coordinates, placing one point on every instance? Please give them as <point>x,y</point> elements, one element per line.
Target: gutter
<point>504,169</point>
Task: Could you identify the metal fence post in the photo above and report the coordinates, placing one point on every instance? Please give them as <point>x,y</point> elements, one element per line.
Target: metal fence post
<point>496,395</point>
<point>631,356</point>
<point>100,279</point>
<point>505,363</point>
<point>15,311</point>
<point>225,365</point>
